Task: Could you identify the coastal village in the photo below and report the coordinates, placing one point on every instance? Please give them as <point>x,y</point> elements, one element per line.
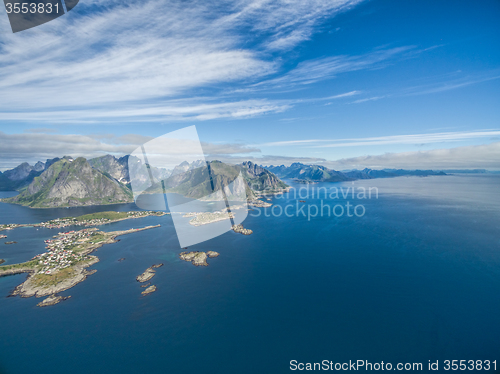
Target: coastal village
<point>59,254</point>
<point>95,219</point>
<point>98,220</point>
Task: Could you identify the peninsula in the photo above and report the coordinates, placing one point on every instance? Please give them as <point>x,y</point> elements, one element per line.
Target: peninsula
<point>205,218</point>
<point>94,219</point>
<point>64,263</point>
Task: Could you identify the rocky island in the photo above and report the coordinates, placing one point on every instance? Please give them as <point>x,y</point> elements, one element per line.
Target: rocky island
<point>212,254</point>
<point>240,229</point>
<point>64,263</point>
<point>259,203</point>
<point>52,300</point>
<point>197,258</point>
<point>148,290</point>
<point>147,275</point>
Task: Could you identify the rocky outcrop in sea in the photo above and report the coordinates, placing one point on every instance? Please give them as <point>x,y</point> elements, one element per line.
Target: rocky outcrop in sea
<point>212,254</point>
<point>197,258</point>
<point>259,203</point>
<point>147,275</point>
<point>240,229</point>
<point>149,290</point>
<point>52,300</point>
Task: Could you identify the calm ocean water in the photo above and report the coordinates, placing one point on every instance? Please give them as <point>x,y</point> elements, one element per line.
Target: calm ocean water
<point>416,278</point>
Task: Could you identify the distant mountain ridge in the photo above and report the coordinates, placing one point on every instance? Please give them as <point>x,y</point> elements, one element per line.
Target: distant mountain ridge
<point>318,173</point>
<point>20,176</point>
<point>308,172</point>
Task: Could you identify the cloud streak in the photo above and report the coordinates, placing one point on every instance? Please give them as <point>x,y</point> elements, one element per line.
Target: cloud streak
<point>169,110</point>
<point>312,71</point>
<point>390,140</point>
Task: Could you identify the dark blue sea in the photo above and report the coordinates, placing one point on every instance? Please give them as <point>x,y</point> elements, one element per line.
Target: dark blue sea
<point>415,278</point>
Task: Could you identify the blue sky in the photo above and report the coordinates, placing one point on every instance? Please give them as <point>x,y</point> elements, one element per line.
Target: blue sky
<point>343,83</point>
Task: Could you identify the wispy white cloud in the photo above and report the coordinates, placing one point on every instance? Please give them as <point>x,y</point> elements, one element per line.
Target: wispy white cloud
<point>391,139</point>
<point>412,139</point>
<point>168,110</point>
<point>41,131</point>
<point>374,98</point>
<point>116,56</point>
<point>453,84</point>
<point>442,83</point>
<point>340,96</point>
<point>312,71</point>
<point>283,23</point>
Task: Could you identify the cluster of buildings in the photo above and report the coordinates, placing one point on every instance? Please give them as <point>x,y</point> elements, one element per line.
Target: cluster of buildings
<point>65,222</point>
<point>59,255</point>
<point>9,226</point>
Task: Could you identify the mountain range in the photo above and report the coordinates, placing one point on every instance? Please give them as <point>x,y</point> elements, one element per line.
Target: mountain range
<point>316,173</point>
<point>62,182</point>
